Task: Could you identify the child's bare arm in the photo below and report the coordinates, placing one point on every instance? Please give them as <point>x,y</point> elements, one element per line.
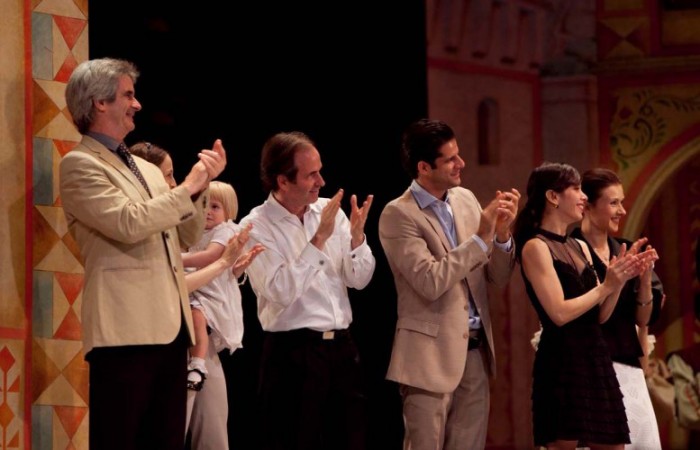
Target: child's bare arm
<point>204,257</point>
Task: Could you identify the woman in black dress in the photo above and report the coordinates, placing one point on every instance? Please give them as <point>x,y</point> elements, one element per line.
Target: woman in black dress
<point>638,305</point>
<point>576,398</point>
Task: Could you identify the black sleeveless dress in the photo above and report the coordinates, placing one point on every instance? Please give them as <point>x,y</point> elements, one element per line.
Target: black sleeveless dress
<point>575,393</point>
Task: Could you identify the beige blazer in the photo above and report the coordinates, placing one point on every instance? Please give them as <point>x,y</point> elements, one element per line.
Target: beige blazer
<point>134,290</point>
<point>432,284</point>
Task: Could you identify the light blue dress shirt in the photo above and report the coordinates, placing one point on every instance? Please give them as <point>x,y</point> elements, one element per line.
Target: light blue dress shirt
<point>443,211</point>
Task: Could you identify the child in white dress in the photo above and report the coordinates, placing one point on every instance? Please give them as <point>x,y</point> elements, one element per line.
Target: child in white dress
<point>218,318</point>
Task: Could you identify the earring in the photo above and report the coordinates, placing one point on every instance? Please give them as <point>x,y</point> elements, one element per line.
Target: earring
<point>556,206</point>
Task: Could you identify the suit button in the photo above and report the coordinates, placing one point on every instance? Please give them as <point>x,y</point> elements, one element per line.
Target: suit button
<point>321,262</point>
<point>167,235</point>
<point>465,335</point>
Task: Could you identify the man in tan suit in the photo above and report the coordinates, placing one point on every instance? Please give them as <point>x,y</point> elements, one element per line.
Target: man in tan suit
<point>441,249</point>
<point>136,320</point>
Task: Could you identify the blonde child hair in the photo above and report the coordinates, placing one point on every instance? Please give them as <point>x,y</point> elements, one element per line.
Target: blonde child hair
<point>224,193</point>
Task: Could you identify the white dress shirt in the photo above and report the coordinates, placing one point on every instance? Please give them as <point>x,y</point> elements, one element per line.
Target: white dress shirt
<point>298,285</point>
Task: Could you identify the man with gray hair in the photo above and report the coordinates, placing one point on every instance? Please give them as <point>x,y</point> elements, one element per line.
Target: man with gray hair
<point>128,224</point>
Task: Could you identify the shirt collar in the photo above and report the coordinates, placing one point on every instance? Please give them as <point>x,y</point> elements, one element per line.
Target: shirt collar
<point>105,140</point>
<point>423,197</point>
<point>279,212</point>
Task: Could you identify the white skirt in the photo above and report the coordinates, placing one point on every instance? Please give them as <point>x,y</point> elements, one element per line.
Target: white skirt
<point>644,431</point>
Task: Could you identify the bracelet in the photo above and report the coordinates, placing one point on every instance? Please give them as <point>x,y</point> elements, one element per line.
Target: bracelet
<point>245,278</point>
<point>647,303</point>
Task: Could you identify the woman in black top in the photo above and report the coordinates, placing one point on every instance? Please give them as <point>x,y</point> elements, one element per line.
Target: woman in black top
<point>575,395</point>
<point>638,299</point>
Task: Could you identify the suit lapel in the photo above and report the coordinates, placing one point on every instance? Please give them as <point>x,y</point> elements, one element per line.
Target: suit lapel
<point>431,218</point>
<point>113,160</point>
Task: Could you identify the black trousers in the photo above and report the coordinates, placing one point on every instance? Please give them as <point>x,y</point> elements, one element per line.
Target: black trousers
<point>138,396</point>
<point>311,392</point>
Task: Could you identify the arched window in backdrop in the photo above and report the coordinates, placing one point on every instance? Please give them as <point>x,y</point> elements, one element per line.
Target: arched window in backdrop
<point>487,132</point>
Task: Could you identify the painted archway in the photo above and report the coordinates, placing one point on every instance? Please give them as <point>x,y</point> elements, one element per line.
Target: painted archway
<point>664,205</point>
<point>665,164</point>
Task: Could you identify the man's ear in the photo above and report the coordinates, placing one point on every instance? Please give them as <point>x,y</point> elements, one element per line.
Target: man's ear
<point>99,105</point>
<point>282,182</point>
<point>423,167</point>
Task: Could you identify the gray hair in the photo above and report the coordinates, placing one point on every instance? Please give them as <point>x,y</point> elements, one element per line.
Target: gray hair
<point>95,80</point>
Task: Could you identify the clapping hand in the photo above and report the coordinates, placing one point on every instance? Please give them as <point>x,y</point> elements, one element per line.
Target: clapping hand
<point>244,260</point>
<point>498,215</point>
<point>487,222</point>
<point>648,257</point>
<point>506,211</point>
<point>214,160</point>
<point>327,222</point>
<point>629,264</point>
<point>235,246</point>
<point>211,163</point>
<point>358,217</point>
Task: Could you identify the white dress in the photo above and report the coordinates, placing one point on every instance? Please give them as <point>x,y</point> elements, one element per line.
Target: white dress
<point>220,299</point>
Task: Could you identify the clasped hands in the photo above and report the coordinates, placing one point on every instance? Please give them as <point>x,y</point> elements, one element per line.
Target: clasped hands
<point>210,165</point>
<point>234,255</point>
<point>358,217</point>
<point>632,262</point>
<point>498,215</point>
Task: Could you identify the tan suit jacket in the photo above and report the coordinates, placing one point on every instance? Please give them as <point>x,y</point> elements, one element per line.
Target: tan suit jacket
<point>134,290</point>
<point>432,284</point>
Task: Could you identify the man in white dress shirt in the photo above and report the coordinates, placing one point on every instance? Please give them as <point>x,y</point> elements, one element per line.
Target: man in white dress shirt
<point>310,379</point>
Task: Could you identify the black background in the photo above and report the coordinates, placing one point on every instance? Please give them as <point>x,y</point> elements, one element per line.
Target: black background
<point>352,75</point>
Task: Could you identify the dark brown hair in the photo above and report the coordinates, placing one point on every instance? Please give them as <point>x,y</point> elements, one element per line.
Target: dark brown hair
<point>422,141</point>
<point>150,152</point>
<point>548,176</point>
<point>593,182</point>
<point>278,157</point>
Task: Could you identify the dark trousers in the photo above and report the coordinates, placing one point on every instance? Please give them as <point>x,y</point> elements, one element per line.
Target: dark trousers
<point>311,392</point>
<point>138,396</point>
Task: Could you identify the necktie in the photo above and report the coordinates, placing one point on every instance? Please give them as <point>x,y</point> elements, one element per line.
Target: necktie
<point>124,153</point>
